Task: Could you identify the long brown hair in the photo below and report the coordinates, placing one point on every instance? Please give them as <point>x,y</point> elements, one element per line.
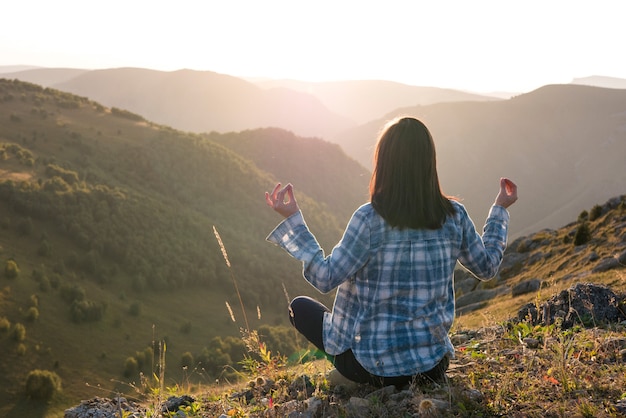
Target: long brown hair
<point>404,188</point>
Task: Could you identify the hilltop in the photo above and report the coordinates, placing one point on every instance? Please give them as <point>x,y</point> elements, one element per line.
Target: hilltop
<point>549,340</point>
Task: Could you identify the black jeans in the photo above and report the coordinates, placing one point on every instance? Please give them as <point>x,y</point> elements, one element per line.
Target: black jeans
<point>307,314</point>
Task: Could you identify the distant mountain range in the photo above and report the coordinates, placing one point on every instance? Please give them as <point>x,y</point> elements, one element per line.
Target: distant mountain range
<point>563,144</point>
<point>204,101</point>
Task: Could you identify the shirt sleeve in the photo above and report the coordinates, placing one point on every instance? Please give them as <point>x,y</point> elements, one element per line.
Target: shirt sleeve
<point>482,255</point>
<point>324,272</point>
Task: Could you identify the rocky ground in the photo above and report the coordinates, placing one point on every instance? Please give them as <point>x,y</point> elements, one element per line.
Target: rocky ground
<point>565,357</point>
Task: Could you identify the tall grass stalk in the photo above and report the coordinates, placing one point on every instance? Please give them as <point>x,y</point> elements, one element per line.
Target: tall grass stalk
<point>232,276</point>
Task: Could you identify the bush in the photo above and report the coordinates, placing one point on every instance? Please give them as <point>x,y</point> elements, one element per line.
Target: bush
<point>595,213</point>
<point>130,367</point>
<point>186,360</point>
<point>5,325</point>
<point>19,332</point>
<point>583,235</point>
<point>72,292</point>
<point>87,311</point>
<point>11,270</point>
<point>32,314</point>
<point>42,384</point>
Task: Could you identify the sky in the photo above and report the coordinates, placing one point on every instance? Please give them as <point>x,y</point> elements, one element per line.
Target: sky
<point>474,45</point>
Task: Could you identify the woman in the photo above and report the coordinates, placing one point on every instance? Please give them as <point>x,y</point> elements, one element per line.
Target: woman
<point>394,265</point>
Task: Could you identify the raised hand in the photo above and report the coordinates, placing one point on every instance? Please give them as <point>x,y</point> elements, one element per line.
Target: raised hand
<point>285,205</point>
<point>508,193</point>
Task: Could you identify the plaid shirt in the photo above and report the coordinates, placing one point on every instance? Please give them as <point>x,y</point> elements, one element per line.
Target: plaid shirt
<point>395,299</point>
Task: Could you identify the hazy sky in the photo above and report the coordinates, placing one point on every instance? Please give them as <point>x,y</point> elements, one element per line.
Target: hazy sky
<point>476,45</point>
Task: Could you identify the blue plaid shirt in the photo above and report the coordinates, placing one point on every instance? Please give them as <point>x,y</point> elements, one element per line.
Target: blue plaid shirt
<point>395,299</point>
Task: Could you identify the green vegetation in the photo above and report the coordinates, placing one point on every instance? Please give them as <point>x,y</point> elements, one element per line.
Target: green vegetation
<point>105,215</point>
<point>42,384</point>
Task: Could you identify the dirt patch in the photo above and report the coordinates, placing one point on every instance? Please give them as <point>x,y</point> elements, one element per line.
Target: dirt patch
<point>12,175</point>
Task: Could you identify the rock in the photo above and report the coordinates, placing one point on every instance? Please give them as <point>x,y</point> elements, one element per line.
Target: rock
<point>476,296</point>
<point>313,405</point>
<point>105,408</point>
<point>458,339</point>
<point>605,264</point>
<point>174,403</point>
<point>585,303</point>
<point>524,287</point>
<point>531,342</point>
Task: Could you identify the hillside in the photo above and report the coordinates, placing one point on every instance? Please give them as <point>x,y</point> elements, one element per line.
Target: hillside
<point>107,231</point>
<point>305,163</point>
<point>197,101</point>
<point>207,101</point>
<point>562,144</point>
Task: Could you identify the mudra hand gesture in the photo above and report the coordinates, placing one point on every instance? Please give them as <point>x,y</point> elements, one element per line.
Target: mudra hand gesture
<point>285,205</point>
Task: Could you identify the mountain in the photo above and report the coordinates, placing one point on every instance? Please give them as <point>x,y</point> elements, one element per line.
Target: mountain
<point>207,101</point>
<point>15,68</point>
<point>564,145</point>
<point>47,77</point>
<point>363,101</point>
<point>197,101</point>
<point>601,81</point>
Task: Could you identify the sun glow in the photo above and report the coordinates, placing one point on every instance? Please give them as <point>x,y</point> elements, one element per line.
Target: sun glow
<point>482,46</point>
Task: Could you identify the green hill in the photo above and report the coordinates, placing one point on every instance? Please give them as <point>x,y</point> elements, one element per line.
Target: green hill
<point>109,219</point>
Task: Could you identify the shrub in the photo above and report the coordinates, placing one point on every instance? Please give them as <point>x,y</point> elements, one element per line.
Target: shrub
<point>595,213</point>
<point>583,235</point>
<point>186,360</point>
<point>72,292</point>
<point>87,311</point>
<point>11,270</point>
<point>130,367</point>
<point>42,384</point>
<point>44,248</point>
<point>5,325</point>
<point>32,314</point>
<point>19,332</point>
<point>21,349</point>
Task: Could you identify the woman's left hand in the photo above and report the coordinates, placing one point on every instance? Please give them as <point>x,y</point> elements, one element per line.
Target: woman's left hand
<point>277,201</point>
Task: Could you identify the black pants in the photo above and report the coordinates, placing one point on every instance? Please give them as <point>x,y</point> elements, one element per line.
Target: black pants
<point>307,314</point>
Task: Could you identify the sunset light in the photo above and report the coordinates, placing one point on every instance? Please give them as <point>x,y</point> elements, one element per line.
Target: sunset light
<point>485,45</point>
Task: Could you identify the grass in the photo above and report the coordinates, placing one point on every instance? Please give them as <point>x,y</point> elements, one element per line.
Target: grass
<point>502,368</point>
<point>578,372</point>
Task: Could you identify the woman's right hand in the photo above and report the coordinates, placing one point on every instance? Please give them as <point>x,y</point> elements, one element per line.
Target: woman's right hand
<point>508,193</point>
<point>276,200</point>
